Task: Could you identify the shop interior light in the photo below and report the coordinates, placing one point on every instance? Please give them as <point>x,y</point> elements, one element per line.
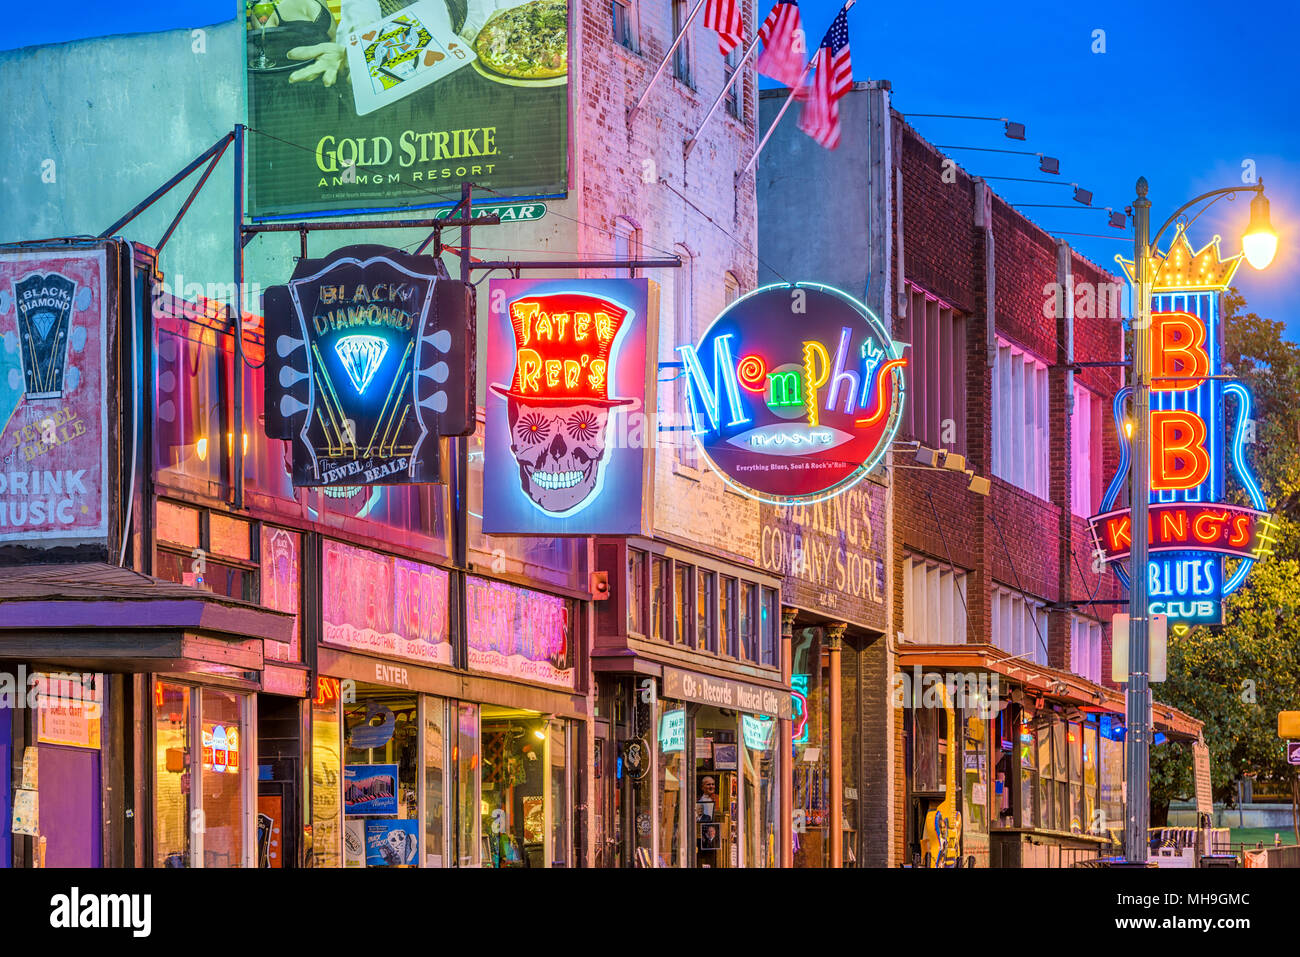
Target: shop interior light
<point>201,449</point>
<point>1260,242</point>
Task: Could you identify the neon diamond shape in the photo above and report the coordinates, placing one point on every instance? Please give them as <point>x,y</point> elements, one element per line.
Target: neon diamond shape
<point>361,357</point>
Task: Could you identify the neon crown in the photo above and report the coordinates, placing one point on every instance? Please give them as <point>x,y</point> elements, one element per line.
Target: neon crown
<point>1185,270</point>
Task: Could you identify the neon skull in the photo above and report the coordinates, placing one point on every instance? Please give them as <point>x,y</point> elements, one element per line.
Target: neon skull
<point>558,403</point>
<point>560,450</point>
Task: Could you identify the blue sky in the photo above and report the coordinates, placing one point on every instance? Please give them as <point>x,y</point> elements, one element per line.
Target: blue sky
<point>1183,94</point>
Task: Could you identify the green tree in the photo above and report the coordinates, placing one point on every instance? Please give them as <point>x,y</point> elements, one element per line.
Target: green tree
<point>1236,678</point>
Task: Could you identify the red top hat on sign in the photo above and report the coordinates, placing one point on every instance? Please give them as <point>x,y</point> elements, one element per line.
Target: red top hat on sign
<point>563,346</point>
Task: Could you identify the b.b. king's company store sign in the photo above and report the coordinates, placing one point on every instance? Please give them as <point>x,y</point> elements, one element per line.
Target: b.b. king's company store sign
<point>369,361</point>
<point>794,392</point>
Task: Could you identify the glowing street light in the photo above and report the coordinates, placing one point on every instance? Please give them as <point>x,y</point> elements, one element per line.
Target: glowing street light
<point>1259,244</point>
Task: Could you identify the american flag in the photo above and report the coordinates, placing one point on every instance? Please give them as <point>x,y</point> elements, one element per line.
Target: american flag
<point>784,50</point>
<point>821,113</point>
<point>725,17</point>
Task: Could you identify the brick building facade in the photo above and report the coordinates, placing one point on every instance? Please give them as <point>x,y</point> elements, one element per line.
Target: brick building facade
<point>1005,326</point>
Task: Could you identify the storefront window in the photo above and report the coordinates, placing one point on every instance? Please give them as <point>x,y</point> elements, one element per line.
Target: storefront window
<point>1005,772</point>
<point>975,764</point>
<point>635,591</point>
<point>1090,776</point>
<point>435,817</point>
<point>381,778</point>
<point>223,777</point>
<point>1060,776</point>
<point>716,797</point>
<point>173,774</point>
<point>1074,749</point>
<point>1112,774</point>
<point>559,774</point>
<point>762,797</point>
<point>658,596</point>
<point>683,580</point>
<point>1028,774</point>
<point>326,773</point>
<point>468,812</point>
<point>706,627</point>
<point>810,684</point>
<point>672,783</point>
<point>1046,783</point>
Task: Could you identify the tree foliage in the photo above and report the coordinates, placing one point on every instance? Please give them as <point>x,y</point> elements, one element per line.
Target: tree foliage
<point>1237,677</point>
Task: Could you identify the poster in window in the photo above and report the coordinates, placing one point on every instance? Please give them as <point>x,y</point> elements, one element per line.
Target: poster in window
<point>369,789</point>
<point>392,843</point>
<point>363,104</point>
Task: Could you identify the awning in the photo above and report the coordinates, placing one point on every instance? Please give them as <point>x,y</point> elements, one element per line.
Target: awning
<point>100,617</point>
<point>1059,686</point>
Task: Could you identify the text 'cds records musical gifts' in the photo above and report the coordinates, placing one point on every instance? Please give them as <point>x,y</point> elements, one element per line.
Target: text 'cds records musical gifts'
<point>370,359</point>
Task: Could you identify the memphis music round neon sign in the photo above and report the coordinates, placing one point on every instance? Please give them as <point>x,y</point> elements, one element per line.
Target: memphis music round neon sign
<point>794,392</point>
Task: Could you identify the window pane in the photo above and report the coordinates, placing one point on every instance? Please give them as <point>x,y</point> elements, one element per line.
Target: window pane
<point>658,597</point>
<point>222,777</point>
<point>683,581</point>
<point>173,775</point>
<point>727,616</point>
<point>706,627</point>
<point>559,794</point>
<point>672,774</point>
<point>326,772</point>
<point>635,590</point>
<point>769,628</point>
<point>467,786</point>
<point>434,781</point>
<point>749,621</point>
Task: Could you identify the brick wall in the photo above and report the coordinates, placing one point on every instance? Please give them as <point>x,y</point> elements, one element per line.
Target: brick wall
<point>1011,538</point>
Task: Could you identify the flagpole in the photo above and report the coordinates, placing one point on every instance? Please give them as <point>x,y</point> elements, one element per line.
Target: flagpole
<point>663,63</point>
<point>785,106</point>
<point>768,135</point>
<point>690,144</point>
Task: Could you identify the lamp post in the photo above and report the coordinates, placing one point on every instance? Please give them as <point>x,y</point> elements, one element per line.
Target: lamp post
<point>1259,245</point>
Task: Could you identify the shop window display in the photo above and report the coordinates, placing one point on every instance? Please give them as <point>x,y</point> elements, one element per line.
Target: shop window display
<point>716,798</point>
<point>326,772</point>
<point>380,779</point>
<point>200,776</point>
<point>762,797</point>
<point>1090,781</point>
<point>810,682</point>
<point>672,783</point>
<point>975,764</point>
<point>172,775</point>
<point>1028,773</point>
<point>468,811</point>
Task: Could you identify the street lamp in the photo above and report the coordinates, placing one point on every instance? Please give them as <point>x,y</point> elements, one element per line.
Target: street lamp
<point>1259,245</point>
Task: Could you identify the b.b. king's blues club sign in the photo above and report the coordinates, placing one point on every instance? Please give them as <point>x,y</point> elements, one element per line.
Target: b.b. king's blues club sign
<point>1201,547</point>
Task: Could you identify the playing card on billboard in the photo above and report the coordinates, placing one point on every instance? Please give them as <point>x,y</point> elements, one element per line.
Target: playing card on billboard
<point>568,439</point>
<point>54,398</point>
<point>359,104</point>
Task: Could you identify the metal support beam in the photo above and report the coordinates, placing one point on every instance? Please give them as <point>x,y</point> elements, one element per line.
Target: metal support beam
<point>166,187</point>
